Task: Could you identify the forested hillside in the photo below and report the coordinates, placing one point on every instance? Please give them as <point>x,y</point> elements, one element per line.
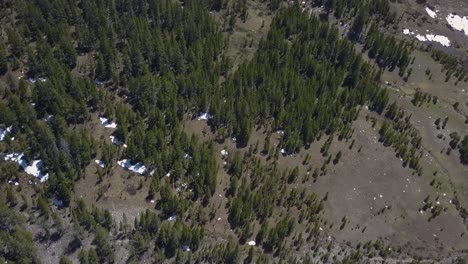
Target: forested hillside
<point>94,93</point>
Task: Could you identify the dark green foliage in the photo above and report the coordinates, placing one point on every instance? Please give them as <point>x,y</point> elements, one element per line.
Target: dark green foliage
<point>451,65</point>
<point>295,82</point>
<point>464,150</point>
<point>16,243</point>
<point>103,247</point>
<point>403,137</point>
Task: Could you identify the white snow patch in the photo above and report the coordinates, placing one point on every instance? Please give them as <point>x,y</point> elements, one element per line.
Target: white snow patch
<point>4,132</point>
<point>34,169</point>
<point>117,142</point>
<point>105,122</point>
<point>204,116</point>
<point>458,23</point>
<point>407,31</point>
<point>139,167</point>
<point>224,153</point>
<point>443,40</point>
<point>172,218</point>
<point>431,12</point>
<point>186,248</point>
<point>251,243</point>
<point>100,163</point>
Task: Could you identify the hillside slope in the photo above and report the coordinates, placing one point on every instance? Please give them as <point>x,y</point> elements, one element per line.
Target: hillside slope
<point>212,131</point>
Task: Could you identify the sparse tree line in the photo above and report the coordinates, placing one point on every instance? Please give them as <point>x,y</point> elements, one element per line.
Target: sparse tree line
<point>419,98</point>
<point>451,65</point>
<point>399,133</point>
<point>257,192</point>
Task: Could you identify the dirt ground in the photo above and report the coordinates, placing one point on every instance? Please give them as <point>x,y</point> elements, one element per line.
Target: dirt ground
<point>415,18</point>
<point>361,185</point>
<point>423,118</point>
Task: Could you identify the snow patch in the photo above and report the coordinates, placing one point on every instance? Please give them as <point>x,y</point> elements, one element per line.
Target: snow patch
<point>204,116</point>
<point>431,12</point>
<point>458,23</point>
<point>35,169</point>
<point>105,122</point>
<point>251,243</point>
<point>100,163</point>
<point>117,142</point>
<point>4,132</point>
<point>139,167</point>
<point>224,153</point>
<point>443,40</point>
<point>407,31</point>
<point>185,248</point>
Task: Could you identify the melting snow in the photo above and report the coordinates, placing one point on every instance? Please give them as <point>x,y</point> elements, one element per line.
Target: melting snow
<point>457,22</point>
<point>105,122</point>
<point>3,132</point>
<point>204,116</point>
<point>224,152</point>
<point>431,12</point>
<point>185,248</point>
<point>408,32</point>
<point>100,163</point>
<point>139,167</point>
<point>443,40</point>
<point>34,169</point>
<point>117,142</point>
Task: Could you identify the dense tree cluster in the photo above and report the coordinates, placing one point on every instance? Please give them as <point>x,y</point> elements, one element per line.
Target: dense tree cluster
<point>387,51</point>
<point>162,57</point>
<point>16,243</point>
<point>304,79</point>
